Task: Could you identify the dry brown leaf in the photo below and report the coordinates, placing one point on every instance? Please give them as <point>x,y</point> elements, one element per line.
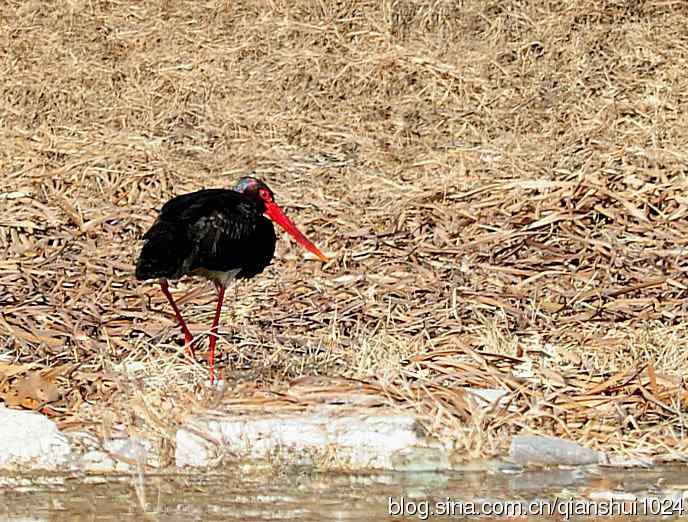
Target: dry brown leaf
<point>553,378</point>
<point>31,391</point>
<point>8,370</point>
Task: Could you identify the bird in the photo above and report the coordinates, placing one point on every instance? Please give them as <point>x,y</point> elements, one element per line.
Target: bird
<point>218,234</point>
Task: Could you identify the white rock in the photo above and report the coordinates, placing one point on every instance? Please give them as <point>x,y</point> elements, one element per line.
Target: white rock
<point>352,440</point>
<point>30,440</point>
<point>120,455</point>
<point>97,462</point>
<point>134,449</point>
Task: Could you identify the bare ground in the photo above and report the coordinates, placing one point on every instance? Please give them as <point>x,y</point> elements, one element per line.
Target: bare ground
<point>501,186</point>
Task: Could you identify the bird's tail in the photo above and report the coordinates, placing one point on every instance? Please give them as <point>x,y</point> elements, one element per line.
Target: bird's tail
<point>162,254</point>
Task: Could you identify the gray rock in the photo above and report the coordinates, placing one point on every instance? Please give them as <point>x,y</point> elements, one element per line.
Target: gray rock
<point>550,451</point>
<point>326,437</point>
<point>31,440</point>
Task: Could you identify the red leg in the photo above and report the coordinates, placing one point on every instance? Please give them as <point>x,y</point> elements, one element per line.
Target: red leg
<point>188,338</point>
<point>213,330</point>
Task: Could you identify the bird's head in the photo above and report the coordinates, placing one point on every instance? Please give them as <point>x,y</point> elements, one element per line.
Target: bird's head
<point>255,189</point>
<point>261,194</point>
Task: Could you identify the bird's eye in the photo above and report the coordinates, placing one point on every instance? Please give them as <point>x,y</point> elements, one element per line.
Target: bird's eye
<point>264,195</point>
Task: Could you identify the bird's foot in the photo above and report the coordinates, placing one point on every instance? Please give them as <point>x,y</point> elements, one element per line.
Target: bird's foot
<point>216,382</point>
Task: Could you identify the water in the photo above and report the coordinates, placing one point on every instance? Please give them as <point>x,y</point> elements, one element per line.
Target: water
<point>311,496</point>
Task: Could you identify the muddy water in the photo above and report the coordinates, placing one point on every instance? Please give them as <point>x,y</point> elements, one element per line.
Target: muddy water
<point>306,495</point>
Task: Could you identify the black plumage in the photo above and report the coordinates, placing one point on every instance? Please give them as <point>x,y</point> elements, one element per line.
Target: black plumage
<point>218,234</point>
<point>208,232</point>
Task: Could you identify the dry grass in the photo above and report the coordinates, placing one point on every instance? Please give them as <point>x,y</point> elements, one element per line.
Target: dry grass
<point>503,185</point>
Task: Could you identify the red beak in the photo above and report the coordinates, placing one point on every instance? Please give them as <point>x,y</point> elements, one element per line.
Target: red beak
<point>275,213</point>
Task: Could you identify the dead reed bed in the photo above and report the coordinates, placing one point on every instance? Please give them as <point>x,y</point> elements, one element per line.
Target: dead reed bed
<point>502,187</point>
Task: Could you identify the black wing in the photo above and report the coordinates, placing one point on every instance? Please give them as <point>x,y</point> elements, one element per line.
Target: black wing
<point>214,229</point>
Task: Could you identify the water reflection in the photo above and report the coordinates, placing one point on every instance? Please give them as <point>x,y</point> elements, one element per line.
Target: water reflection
<point>308,495</point>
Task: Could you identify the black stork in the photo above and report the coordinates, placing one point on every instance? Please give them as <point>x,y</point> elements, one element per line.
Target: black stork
<point>218,234</point>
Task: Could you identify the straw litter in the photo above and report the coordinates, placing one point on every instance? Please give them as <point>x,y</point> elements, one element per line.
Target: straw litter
<point>502,188</point>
